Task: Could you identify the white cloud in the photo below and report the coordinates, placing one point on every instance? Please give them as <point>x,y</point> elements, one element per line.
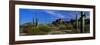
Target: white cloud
<point>57,15</point>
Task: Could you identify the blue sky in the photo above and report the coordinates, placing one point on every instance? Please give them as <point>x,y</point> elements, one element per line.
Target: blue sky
<point>47,16</point>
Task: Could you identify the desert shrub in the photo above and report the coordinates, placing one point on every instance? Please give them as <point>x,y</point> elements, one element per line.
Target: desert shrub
<point>39,30</point>
<point>69,26</point>
<point>21,30</point>
<point>44,28</point>
<point>35,31</point>
<point>25,29</point>
<point>87,28</point>
<point>62,27</point>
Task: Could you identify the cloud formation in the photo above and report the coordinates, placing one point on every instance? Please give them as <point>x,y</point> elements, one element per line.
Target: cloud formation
<point>55,14</point>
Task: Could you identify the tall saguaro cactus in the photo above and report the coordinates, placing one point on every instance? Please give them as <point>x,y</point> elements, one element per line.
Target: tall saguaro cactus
<point>82,22</point>
<point>36,22</point>
<point>76,22</point>
<point>33,21</point>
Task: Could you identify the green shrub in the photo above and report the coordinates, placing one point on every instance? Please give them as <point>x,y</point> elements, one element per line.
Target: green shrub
<point>21,30</point>
<point>64,27</point>
<point>39,30</point>
<point>35,31</point>
<point>87,28</point>
<point>44,28</point>
<point>69,26</point>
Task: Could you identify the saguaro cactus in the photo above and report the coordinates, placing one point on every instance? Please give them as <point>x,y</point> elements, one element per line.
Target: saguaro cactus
<point>33,21</point>
<point>76,22</point>
<point>36,22</point>
<point>82,22</point>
